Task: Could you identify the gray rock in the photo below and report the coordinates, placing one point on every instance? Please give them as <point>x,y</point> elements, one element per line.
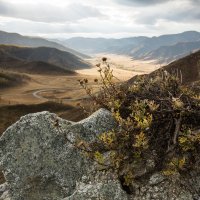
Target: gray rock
<point>159,187</point>
<point>156,179</point>
<point>37,159</point>
<point>4,195</point>
<point>99,191</point>
<point>3,188</point>
<point>99,122</point>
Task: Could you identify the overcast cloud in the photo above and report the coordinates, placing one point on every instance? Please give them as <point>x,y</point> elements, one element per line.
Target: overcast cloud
<point>99,18</point>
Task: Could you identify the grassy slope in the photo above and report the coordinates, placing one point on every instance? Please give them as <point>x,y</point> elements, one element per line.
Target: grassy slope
<point>9,79</point>
<point>188,66</point>
<point>52,56</point>
<point>35,67</point>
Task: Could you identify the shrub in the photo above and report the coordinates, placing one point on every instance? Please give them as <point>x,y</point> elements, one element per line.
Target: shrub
<point>158,118</point>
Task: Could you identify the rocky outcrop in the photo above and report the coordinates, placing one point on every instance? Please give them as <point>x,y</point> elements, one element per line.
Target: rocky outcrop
<point>37,159</point>
<point>40,162</point>
<point>100,190</point>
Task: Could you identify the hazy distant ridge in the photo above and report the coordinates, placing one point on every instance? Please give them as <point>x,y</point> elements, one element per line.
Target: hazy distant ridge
<point>153,48</point>
<point>20,40</point>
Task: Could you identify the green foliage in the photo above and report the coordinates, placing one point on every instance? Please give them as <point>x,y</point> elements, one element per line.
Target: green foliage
<point>157,117</point>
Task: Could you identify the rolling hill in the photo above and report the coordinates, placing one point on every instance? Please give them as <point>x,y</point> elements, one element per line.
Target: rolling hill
<point>141,48</point>
<point>9,79</point>
<point>35,67</point>
<point>42,60</point>
<point>165,54</point>
<point>25,41</point>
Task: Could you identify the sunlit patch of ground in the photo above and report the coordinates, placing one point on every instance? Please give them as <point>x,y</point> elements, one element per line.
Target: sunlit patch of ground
<point>124,67</point>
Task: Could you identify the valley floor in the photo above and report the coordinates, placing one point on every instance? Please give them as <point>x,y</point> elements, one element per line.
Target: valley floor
<point>124,67</point>
<point>65,90</point>
<point>41,88</point>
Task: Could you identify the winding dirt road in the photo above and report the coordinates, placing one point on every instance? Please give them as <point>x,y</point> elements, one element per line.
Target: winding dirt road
<point>37,94</point>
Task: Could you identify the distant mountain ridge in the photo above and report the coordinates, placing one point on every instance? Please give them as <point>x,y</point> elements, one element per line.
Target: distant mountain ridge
<point>167,53</point>
<point>39,60</point>
<point>144,48</point>
<point>26,41</point>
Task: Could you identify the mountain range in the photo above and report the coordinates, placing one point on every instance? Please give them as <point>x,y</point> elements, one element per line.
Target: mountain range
<point>41,53</point>
<point>42,60</point>
<point>26,41</point>
<point>161,49</point>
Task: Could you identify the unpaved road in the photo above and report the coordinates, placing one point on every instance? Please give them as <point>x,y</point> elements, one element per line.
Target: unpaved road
<point>37,94</point>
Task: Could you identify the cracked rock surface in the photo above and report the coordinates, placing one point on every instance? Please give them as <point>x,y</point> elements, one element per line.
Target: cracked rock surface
<point>37,160</point>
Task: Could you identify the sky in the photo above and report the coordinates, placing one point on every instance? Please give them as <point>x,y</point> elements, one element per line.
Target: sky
<point>99,18</point>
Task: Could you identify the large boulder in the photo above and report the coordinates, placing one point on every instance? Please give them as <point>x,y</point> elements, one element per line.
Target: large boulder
<point>38,158</point>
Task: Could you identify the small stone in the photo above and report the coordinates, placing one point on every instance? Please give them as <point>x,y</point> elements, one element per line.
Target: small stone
<point>156,179</point>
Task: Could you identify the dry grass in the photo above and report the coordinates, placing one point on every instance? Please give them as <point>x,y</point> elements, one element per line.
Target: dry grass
<point>9,79</point>
<point>124,67</point>
<point>11,113</point>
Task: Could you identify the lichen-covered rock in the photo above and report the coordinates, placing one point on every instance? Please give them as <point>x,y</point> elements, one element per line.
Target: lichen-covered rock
<point>99,190</point>
<point>4,192</point>
<point>159,187</point>
<point>157,178</point>
<point>37,159</point>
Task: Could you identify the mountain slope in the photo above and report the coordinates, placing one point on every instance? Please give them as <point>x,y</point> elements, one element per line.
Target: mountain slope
<point>100,45</point>
<point>35,67</point>
<point>154,43</point>
<point>165,54</point>
<point>51,56</point>
<point>9,79</point>
<point>189,67</point>
<point>17,39</point>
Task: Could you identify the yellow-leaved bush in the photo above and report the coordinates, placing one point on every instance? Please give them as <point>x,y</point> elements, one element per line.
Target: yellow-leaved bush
<point>157,118</point>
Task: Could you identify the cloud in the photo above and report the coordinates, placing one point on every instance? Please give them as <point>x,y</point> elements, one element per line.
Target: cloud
<point>48,12</point>
<point>141,2</point>
<point>113,18</point>
<point>151,3</point>
<point>177,11</point>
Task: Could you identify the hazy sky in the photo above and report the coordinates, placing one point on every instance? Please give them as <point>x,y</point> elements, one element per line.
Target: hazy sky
<point>99,18</point>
